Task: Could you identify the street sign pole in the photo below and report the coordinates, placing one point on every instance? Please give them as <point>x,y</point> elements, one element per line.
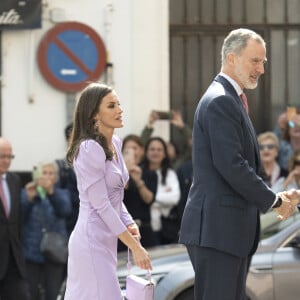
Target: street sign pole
<point>70,106</point>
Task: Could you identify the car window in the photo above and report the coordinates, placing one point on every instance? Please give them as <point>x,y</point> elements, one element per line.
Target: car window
<point>295,241</point>
<point>270,224</point>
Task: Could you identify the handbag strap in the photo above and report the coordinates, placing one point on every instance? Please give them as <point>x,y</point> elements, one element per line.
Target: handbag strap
<point>43,218</point>
<point>129,266</point>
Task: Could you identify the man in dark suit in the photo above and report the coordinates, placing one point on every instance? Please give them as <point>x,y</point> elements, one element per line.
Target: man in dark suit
<point>13,285</point>
<point>220,225</point>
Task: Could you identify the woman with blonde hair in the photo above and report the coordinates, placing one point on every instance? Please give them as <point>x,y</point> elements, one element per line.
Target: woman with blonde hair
<point>268,147</point>
<point>292,181</point>
<point>44,206</point>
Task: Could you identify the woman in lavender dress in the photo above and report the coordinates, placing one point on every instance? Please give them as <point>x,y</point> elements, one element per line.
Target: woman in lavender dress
<point>95,153</point>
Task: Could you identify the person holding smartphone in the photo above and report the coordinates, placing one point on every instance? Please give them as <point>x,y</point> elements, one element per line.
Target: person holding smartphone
<point>44,205</point>
<point>141,189</point>
<point>179,148</point>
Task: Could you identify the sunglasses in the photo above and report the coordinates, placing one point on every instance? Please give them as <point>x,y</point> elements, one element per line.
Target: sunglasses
<point>267,146</point>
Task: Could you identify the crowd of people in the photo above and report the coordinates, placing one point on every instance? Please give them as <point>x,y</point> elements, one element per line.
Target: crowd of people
<point>112,194</point>
<point>154,194</point>
<point>280,153</point>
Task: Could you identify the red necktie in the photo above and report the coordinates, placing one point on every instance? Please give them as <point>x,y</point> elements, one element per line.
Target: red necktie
<point>3,198</point>
<point>245,102</point>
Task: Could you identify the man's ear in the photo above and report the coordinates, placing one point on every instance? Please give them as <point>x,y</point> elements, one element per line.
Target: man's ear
<point>231,58</point>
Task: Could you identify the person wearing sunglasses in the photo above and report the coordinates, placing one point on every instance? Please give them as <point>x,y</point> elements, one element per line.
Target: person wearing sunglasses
<point>292,181</point>
<point>268,149</point>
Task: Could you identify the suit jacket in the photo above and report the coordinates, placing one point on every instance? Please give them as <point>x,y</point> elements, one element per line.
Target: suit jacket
<point>222,210</point>
<point>10,228</point>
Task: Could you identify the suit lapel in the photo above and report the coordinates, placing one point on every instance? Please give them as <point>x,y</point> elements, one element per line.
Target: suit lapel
<point>253,135</point>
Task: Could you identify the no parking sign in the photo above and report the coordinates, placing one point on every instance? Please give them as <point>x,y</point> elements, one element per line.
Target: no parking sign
<point>71,55</point>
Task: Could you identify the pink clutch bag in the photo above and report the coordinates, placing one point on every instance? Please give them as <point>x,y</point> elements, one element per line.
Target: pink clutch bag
<point>138,288</point>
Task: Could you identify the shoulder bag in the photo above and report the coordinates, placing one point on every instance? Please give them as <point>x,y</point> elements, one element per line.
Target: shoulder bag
<point>54,246</point>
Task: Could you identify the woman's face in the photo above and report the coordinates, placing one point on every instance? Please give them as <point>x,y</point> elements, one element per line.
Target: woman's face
<point>155,152</point>
<point>268,150</point>
<point>136,150</point>
<point>110,112</point>
<point>49,173</point>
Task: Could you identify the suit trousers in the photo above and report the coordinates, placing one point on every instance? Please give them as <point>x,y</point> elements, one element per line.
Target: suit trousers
<point>218,275</point>
<point>13,286</point>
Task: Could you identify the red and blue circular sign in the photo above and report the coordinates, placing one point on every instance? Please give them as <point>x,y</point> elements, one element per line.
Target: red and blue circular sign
<point>71,55</point>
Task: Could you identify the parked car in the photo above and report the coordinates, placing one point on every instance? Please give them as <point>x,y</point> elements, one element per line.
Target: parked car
<point>274,272</point>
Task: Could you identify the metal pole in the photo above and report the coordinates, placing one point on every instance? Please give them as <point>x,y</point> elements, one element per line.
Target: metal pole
<point>70,107</point>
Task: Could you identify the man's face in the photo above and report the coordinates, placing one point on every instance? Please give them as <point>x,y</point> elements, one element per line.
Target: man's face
<point>249,65</point>
<point>6,156</point>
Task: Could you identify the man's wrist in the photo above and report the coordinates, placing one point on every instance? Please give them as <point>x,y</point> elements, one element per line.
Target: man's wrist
<point>278,202</point>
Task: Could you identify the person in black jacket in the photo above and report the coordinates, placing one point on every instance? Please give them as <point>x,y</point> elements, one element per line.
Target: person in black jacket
<point>67,180</point>
<point>13,283</point>
<point>141,189</point>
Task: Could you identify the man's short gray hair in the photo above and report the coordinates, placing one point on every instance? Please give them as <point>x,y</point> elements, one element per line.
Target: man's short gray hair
<point>237,40</point>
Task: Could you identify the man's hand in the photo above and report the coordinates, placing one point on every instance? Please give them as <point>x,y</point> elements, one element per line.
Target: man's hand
<point>290,199</point>
<point>292,195</point>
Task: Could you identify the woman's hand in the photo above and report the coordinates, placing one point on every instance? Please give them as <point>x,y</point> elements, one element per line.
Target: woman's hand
<point>177,120</point>
<point>136,173</point>
<point>294,175</point>
<point>152,118</point>
<point>47,184</point>
<point>141,258</point>
<point>31,191</point>
<point>130,238</point>
<point>134,230</point>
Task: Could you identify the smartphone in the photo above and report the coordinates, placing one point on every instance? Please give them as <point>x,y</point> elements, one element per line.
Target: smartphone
<point>164,115</point>
<point>36,174</point>
<point>128,154</point>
